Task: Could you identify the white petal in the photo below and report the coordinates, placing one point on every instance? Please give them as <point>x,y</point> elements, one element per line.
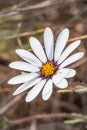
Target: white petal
<point>63,84</point>
<point>29,57</point>
<point>22,78</point>
<point>49,43</point>
<point>37,49</point>
<point>35,91</point>
<point>23,66</point>
<point>57,78</point>
<point>72,59</point>
<point>67,73</point>
<point>47,90</point>
<point>68,50</point>
<point>27,85</point>
<point>61,42</point>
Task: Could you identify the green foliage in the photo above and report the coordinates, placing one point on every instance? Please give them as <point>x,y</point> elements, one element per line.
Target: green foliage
<point>80,116</point>
<point>11,18</point>
<point>37,27</point>
<point>3,122</point>
<point>77,119</point>
<point>77,89</point>
<point>72,122</point>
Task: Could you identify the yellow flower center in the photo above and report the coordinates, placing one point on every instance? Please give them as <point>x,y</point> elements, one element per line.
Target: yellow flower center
<point>48,69</point>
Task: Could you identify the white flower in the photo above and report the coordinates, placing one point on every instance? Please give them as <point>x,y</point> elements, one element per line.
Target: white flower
<point>44,70</point>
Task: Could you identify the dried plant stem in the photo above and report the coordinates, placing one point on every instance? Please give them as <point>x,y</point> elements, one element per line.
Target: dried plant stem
<point>42,116</point>
<point>40,5</point>
<point>10,104</point>
<point>77,38</point>
<point>22,34</point>
<point>48,116</point>
<point>38,31</point>
<point>20,42</point>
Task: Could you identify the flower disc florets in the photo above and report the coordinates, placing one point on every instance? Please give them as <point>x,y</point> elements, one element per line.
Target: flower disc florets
<point>48,69</point>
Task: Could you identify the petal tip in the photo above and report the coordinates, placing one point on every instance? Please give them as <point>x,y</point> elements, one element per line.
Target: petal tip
<point>78,42</point>
<point>15,93</point>
<point>66,30</point>
<point>27,100</point>
<point>8,82</point>
<point>45,98</point>
<point>82,54</point>
<point>47,29</point>
<point>11,82</point>
<point>31,38</point>
<point>33,41</point>
<point>18,50</point>
<point>10,65</point>
<point>63,87</point>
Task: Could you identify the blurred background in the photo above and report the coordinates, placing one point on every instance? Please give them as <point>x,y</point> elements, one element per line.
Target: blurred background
<point>20,19</point>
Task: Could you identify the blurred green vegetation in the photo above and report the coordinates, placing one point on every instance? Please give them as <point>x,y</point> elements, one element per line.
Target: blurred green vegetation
<point>3,122</point>
<point>78,118</point>
<point>77,89</point>
<point>8,46</point>
<point>11,18</point>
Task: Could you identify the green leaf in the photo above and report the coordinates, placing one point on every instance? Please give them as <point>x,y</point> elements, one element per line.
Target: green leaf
<point>3,122</point>
<point>80,116</point>
<point>77,89</point>
<point>72,122</point>
<point>64,91</point>
<point>77,118</point>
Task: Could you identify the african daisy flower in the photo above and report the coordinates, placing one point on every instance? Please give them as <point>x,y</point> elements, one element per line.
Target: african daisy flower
<point>45,69</point>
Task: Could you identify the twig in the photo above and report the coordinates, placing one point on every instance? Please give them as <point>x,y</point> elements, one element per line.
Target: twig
<point>18,38</point>
<point>43,4</point>
<point>33,125</point>
<point>40,5</point>
<point>42,30</point>
<point>10,104</point>
<point>14,11</point>
<point>19,42</point>
<point>42,116</point>
<point>77,38</point>
<point>39,31</point>
<point>5,79</point>
<point>48,116</point>
<point>22,34</point>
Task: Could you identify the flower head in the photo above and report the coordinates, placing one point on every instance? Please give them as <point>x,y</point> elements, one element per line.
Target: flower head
<point>44,69</point>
